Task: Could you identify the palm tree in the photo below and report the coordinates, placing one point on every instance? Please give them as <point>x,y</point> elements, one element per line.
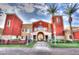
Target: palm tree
<point>70,10</point>
<point>52,10</point>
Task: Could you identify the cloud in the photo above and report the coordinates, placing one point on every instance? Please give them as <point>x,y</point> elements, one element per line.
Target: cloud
<point>65,21</point>
<point>65,18</point>
<point>35,20</point>
<point>27,7</point>
<point>42,9</point>
<point>7,8</point>
<point>60,12</point>
<point>30,21</point>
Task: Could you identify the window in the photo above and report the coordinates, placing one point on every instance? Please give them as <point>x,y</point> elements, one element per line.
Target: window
<point>34,36</point>
<point>25,30</point>
<point>22,30</point>
<point>9,23</point>
<point>28,30</point>
<point>35,29</point>
<point>58,20</point>
<point>70,36</point>
<point>40,28</point>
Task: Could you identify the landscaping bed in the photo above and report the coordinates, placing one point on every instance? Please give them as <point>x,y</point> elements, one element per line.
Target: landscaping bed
<point>64,44</point>
<point>29,45</point>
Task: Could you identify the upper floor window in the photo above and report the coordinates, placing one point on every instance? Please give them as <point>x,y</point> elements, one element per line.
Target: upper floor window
<point>8,23</point>
<point>35,29</point>
<point>28,30</point>
<point>22,30</point>
<point>25,30</point>
<point>40,28</point>
<point>58,20</point>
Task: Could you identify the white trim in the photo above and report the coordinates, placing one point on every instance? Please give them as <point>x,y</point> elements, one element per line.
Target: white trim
<point>60,37</point>
<point>45,33</point>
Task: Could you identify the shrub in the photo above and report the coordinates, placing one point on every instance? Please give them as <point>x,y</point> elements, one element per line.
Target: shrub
<point>61,41</point>
<point>76,41</point>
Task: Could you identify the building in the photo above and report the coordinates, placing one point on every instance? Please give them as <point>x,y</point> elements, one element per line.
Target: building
<point>12,27</point>
<point>38,31</point>
<point>26,31</point>
<point>43,31</point>
<point>1,30</point>
<point>57,27</point>
<point>75,33</point>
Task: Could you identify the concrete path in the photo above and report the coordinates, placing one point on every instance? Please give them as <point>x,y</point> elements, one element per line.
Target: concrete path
<point>41,45</point>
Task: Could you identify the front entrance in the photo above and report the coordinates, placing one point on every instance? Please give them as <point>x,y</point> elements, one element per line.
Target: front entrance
<point>46,36</point>
<point>40,36</point>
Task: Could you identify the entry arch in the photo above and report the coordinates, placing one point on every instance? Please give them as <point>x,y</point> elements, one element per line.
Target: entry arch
<point>40,36</point>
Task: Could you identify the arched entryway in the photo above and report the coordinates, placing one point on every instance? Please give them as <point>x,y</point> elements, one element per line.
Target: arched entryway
<point>40,36</point>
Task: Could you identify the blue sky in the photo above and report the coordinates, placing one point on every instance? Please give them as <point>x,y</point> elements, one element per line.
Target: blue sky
<point>29,12</point>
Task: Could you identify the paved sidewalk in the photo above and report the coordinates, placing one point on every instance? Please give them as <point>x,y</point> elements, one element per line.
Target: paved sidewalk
<point>41,45</point>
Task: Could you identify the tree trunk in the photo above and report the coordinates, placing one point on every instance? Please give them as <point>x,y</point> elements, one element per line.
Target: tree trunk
<point>55,33</point>
<point>70,24</point>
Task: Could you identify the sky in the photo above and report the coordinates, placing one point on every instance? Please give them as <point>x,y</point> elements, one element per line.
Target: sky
<point>31,12</point>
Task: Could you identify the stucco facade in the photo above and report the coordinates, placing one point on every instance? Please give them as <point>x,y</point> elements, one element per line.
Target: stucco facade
<point>44,31</point>
<point>12,27</point>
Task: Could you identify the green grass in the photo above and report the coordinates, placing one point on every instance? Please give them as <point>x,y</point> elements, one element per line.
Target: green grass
<point>30,45</point>
<point>65,45</point>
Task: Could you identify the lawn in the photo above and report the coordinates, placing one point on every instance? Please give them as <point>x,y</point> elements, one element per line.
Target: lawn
<point>65,45</point>
<point>30,45</point>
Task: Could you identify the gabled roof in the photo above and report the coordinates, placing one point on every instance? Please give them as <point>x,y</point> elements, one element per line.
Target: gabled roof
<point>40,21</point>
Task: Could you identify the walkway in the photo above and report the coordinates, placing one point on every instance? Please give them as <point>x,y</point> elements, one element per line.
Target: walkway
<point>41,45</point>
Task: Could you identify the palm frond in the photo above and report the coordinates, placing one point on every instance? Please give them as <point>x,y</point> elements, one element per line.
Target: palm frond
<point>53,9</point>
<point>71,8</point>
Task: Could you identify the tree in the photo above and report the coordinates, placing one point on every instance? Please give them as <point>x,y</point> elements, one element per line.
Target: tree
<point>70,10</point>
<point>52,10</point>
